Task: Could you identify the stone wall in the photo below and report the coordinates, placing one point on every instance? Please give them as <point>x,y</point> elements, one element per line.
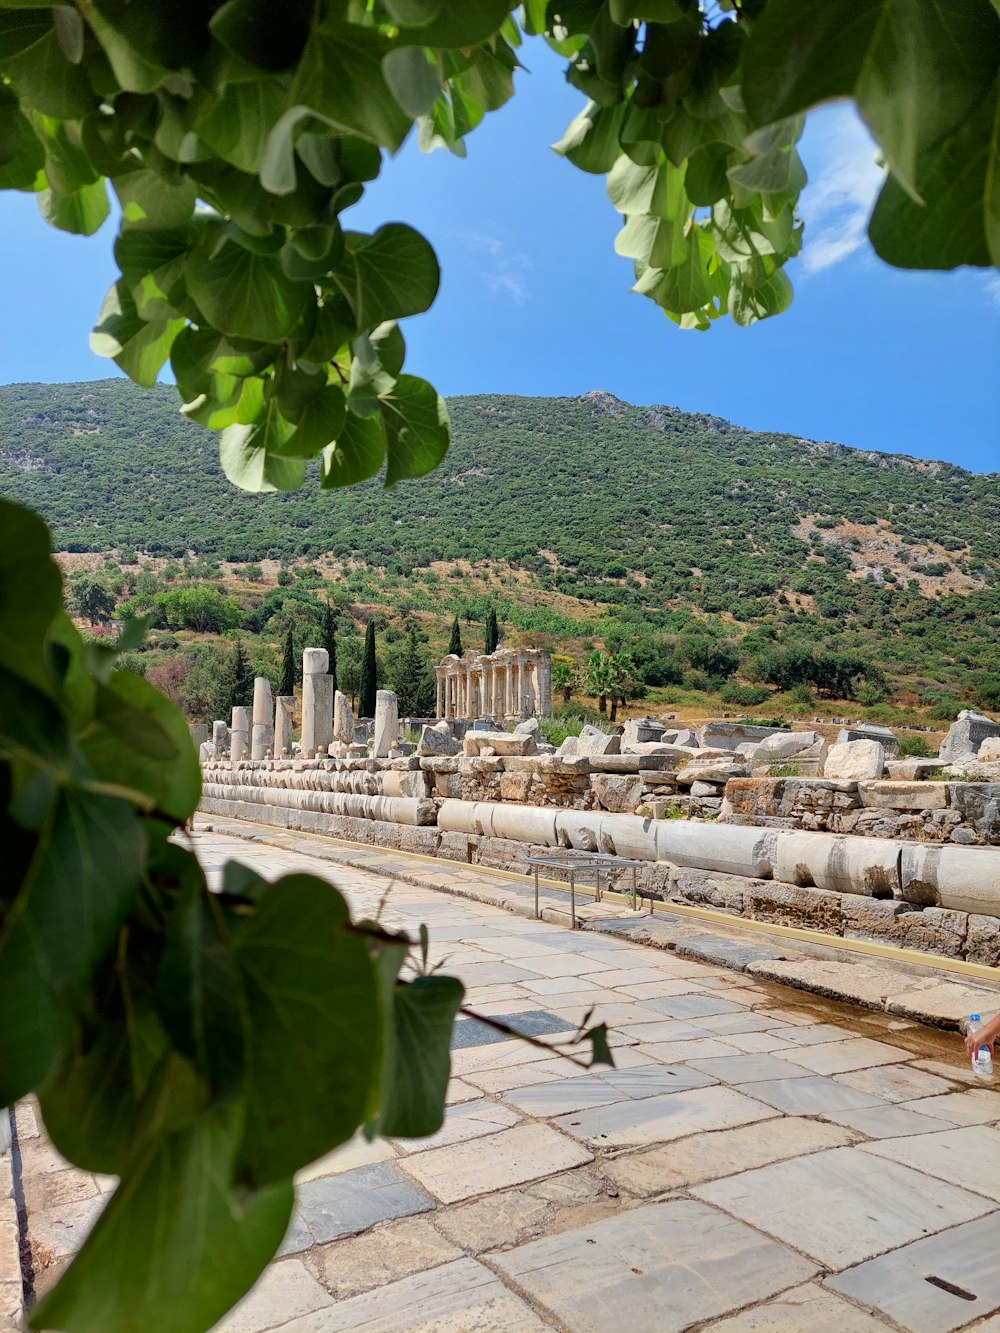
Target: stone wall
<point>966,813</point>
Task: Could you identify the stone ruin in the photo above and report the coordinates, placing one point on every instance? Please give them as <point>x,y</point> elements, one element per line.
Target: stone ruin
<point>762,822</point>
<point>509,683</point>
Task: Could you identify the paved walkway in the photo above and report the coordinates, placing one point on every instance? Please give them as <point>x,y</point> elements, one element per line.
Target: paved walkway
<point>759,1160</point>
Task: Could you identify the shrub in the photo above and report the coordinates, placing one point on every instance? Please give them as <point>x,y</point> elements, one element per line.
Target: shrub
<point>744,696</point>
<point>913,746</point>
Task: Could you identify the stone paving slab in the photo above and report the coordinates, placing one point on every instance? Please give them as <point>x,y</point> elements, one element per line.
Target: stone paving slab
<point>813,1095</point>
<point>345,1204</point>
<point>840,1208</point>
<point>896,1284</point>
<point>806,1308</point>
<point>660,1119</point>
<point>968,1157</point>
<point>459,1297</point>
<point>527,1152</point>
<point>662,1266</point>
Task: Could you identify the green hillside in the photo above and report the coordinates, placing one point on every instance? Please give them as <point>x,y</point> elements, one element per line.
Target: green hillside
<point>586,518</point>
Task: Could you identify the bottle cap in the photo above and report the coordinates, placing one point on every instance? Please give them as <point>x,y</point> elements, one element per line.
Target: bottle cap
<point>974,1018</point>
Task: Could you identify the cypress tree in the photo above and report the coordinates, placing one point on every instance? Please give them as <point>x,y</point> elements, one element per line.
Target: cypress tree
<point>492,634</point>
<point>242,678</point>
<point>413,680</point>
<point>455,645</point>
<point>288,666</point>
<point>369,675</point>
<point>330,640</point>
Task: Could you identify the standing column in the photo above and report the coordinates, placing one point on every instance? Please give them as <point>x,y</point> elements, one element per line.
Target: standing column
<point>262,735</point>
<point>240,734</point>
<point>438,693</point>
<point>317,702</point>
<point>508,706</point>
<point>545,683</point>
<point>386,723</point>
<point>284,711</point>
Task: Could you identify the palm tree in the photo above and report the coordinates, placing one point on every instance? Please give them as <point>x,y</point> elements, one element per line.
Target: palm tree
<point>564,677</point>
<point>599,679</point>
<point>624,681</point>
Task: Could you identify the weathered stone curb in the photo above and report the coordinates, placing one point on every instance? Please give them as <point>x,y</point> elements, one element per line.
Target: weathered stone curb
<point>923,995</point>
<point>11,1286</point>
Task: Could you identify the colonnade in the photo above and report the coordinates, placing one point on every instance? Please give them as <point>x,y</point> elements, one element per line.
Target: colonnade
<point>512,682</point>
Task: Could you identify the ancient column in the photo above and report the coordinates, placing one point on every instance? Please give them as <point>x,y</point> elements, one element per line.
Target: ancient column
<point>438,693</point>
<point>545,683</point>
<point>284,713</point>
<point>386,723</point>
<point>199,732</point>
<point>262,734</point>
<point>240,734</point>
<point>317,702</point>
<point>343,719</point>
<point>221,737</point>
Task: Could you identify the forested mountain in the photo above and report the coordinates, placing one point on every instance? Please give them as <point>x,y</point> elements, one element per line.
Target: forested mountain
<point>650,516</point>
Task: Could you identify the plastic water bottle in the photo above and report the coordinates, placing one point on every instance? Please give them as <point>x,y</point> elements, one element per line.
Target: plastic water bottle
<point>982,1061</point>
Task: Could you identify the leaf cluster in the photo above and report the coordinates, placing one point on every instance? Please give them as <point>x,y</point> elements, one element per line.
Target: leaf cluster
<point>201,1046</point>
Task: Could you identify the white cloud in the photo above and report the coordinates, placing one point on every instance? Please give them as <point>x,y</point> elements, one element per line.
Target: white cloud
<point>844,181</point>
<point>993,289</point>
<point>505,273</point>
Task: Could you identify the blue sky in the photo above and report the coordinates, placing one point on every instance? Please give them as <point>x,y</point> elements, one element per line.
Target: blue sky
<point>535,301</point>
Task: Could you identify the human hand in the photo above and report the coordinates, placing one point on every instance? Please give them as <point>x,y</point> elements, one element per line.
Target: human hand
<point>984,1035</point>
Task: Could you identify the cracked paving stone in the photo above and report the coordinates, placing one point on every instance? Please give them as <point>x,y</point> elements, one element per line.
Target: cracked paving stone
<point>346,1204</point>
<point>662,1266</point>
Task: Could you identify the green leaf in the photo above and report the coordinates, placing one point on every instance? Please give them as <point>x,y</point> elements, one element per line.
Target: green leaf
<point>148,200</point>
<point>171,35</point>
<point>91,1101</point>
<point>228,402</point>
<point>417,1065</point>
<point>705,179</point>
<point>591,139</point>
<point>459,24</point>
<point>388,275</point>
<point>151,261</point>
<point>412,79</point>
<point>144,743</point>
<point>319,424</point>
<point>30,592</point>
<point>251,454</point>
<point>53,940</point>
<point>32,58</point>
<point>246,295</point>
<point>749,303</point>
<point>358,453</point>
<point>138,347</point>
<point>199,354</point>
<point>266,36</point>
<point>296,387</point>
<point>960,180</point>
<point>340,77</point>
<point>416,429</point>
<point>686,287</point>
<point>201,995</point>
<point>237,122</point>
<point>312,1031</point>
<point>648,11</point>
<point>916,68</point>
<point>210,1241</point>
<point>21,154</point>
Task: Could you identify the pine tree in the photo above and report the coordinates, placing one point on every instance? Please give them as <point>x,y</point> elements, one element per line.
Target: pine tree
<point>235,685</point>
<point>288,666</point>
<point>492,633</point>
<point>455,645</point>
<point>413,679</point>
<point>330,640</point>
<point>369,675</point>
